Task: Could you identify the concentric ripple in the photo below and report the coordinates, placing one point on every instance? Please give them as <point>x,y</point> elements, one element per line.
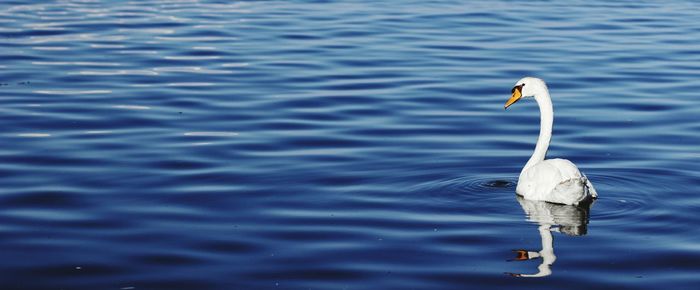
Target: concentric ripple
<point>467,190</point>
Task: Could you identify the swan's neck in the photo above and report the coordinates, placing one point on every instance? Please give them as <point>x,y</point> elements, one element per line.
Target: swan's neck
<point>546,120</point>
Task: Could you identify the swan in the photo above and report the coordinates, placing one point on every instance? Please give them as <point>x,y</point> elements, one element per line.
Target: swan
<point>552,180</point>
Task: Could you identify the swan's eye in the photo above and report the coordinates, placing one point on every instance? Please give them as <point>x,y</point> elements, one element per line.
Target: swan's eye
<point>518,87</point>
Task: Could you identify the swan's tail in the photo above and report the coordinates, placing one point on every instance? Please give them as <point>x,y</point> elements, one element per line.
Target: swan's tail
<point>590,188</point>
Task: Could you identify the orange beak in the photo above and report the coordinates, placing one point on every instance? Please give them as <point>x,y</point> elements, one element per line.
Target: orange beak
<point>515,97</point>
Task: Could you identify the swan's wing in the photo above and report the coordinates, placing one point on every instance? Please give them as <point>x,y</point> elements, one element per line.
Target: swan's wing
<point>569,169</point>
<point>589,186</point>
<point>553,171</point>
<point>555,180</point>
<point>566,168</point>
<point>570,191</point>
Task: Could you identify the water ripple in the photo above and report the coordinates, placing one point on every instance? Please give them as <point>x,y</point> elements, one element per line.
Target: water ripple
<point>353,144</point>
<point>486,190</point>
<point>211,134</point>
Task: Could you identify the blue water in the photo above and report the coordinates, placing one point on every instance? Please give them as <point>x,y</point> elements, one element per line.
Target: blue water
<point>343,145</point>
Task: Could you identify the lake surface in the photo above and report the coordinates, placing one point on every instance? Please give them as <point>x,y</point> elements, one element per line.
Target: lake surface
<point>344,145</point>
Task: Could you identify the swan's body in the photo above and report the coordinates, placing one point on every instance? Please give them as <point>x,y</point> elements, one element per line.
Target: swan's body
<point>553,180</point>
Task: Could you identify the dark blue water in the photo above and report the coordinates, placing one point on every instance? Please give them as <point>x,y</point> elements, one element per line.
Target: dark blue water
<point>350,145</point>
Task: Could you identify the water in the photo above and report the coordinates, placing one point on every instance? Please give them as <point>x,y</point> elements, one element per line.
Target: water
<point>350,145</point>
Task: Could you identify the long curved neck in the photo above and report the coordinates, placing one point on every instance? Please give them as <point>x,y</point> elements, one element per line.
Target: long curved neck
<point>546,120</point>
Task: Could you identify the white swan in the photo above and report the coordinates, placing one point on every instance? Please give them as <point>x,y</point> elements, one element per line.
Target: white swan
<point>553,180</point>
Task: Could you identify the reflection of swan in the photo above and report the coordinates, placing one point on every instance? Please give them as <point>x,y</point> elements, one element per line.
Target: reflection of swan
<point>553,180</point>
<point>547,254</point>
<point>571,220</point>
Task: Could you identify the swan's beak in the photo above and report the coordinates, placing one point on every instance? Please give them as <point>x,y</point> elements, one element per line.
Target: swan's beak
<point>515,97</point>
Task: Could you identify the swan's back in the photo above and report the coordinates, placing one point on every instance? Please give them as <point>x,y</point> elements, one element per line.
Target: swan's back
<point>554,180</point>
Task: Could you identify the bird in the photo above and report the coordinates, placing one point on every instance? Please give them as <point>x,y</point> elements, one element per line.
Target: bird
<point>552,180</point>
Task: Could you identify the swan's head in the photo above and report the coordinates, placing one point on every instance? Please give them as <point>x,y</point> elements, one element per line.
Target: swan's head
<point>525,88</point>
